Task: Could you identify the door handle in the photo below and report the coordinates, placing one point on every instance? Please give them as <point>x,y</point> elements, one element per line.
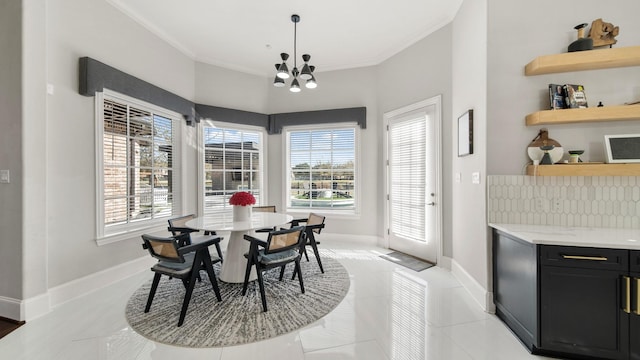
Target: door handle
<point>578,257</point>
<point>627,296</point>
<point>637,310</point>
<point>431,204</point>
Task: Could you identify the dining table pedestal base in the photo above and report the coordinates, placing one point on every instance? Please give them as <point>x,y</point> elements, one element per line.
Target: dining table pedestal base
<point>234,265</point>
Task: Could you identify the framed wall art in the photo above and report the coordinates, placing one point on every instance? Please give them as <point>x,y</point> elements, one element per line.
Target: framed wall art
<point>465,133</point>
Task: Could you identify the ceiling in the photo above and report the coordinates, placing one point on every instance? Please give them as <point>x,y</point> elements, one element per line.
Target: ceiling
<point>249,35</point>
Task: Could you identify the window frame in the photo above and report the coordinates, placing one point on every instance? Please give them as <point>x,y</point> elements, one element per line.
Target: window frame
<point>264,182</point>
<point>353,213</point>
<point>109,234</point>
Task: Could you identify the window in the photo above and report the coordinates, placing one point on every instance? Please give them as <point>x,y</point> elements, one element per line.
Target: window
<point>232,162</point>
<point>321,169</point>
<point>137,170</point>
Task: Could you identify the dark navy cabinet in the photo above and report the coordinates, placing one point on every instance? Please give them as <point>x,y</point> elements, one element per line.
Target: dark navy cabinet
<point>515,282</point>
<point>581,301</point>
<point>634,317</point>
<point>568,301</point>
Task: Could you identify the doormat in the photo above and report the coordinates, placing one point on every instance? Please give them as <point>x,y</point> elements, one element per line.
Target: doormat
<point>408,261</point>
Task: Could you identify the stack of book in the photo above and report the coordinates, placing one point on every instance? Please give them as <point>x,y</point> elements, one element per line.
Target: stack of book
<point>567,96</point>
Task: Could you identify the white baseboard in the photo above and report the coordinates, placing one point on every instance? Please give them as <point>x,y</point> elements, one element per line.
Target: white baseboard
<point>445,262</point>
<point>337,238</point>
<point>11,308</point>
<point>76,288</point>
<point>36,306</point>
<point>483,297</point>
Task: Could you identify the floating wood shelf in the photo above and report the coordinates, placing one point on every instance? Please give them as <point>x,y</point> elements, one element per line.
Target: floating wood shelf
<point>594,114</point>
<point>584,169</point>
<point>584,60</point>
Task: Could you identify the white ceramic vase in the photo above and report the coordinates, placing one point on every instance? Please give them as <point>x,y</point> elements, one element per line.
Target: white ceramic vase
<point>241,213</point>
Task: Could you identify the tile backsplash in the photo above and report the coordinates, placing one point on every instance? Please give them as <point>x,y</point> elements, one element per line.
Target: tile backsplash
<point>584,201</point>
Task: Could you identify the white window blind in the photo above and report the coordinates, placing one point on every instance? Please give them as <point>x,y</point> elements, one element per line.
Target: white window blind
<point>232,162</point>
<point>408,172</point>
<point>322,168</point>
<point>138,167</point>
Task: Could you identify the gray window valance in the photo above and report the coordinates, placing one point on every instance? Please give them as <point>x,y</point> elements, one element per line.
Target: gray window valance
<point>95,76</point>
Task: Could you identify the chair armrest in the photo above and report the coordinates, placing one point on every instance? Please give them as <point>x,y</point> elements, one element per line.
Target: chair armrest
<point>316,226</point>
<point>296,222</point>
<point>182,229</point>
<point>195,247</point>
<point>256,240</point>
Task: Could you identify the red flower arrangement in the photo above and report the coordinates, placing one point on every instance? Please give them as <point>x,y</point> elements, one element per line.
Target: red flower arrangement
<point>242,198</point>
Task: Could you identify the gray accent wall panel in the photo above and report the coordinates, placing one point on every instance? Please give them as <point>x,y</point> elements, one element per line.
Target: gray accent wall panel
<point>357,115</point>
<point>232,116</point>
<point>95,76</point>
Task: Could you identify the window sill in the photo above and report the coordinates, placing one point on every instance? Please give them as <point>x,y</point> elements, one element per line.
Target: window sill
<point>155,229</point>
<point>333,214</point>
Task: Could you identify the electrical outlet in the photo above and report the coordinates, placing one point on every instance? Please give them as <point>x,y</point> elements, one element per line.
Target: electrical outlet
<point>475,178</point>
<point>542,205</point>
<point>556,205</point>
<point>4,176</point>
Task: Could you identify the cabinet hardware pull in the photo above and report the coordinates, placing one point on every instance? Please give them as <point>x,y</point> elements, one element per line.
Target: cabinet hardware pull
<point>627,302</point>
<point>637,311</point>
<point>578,257</point>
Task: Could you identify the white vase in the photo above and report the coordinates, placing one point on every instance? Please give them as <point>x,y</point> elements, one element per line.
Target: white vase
<point>241,213</point>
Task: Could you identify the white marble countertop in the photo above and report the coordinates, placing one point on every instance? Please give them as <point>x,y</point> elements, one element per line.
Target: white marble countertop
<point>574,236</point>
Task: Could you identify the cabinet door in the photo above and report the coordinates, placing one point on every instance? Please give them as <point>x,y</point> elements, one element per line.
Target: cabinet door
<point>634,318</point>
<point>514,286</point>
<point>581,312</point>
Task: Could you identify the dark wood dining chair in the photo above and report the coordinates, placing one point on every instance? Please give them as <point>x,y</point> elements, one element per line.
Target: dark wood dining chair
<point>265,208</point>
<point>312,225</point>
<point>281,248</point>
<point>182,262</point>
<point>178,225</point>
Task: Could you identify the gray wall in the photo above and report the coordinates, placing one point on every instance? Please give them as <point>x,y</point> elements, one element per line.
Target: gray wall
<point>93,28</point>
<point>419,72</point>
<point>11,147</point>
<point>470,246</point>
<point>230,89</point>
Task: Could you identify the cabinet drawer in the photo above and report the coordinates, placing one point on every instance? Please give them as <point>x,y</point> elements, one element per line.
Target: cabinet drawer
<point>584,257</point>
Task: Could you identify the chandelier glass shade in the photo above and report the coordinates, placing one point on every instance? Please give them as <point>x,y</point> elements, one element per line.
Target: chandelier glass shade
<point>282,70</point>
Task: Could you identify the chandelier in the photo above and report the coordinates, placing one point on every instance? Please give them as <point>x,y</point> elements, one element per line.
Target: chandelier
<point>283,70</point>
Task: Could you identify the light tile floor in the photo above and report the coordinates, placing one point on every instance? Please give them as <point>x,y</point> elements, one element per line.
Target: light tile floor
<point>390,312</point>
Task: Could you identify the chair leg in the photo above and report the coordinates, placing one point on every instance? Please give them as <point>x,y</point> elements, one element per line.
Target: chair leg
<point>212,276</point>
<point>299,275</point>
<point>246,275</point>
<point>262,294</point>
<point>152,292</point>
<point>304,250</point>
<point>282,272</point>
<point>197,263</point>
<point>219,252</point>
<point>315,251</point>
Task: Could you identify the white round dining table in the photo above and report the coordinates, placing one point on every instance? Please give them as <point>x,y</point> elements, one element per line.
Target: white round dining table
<point>235,264</point>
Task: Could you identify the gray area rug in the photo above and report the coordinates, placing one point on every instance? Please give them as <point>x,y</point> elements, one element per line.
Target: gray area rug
<point>238,319</point>
<point>407,261</point>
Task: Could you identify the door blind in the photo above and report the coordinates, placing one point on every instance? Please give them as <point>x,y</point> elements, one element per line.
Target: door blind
<point>407,160</point>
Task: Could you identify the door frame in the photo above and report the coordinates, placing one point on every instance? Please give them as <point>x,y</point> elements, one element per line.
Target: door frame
<point>437,128</point>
